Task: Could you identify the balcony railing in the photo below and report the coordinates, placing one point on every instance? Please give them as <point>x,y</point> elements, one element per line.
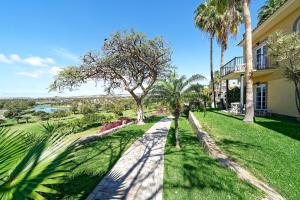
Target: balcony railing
<point>234,65</point>
<point>237,64</point>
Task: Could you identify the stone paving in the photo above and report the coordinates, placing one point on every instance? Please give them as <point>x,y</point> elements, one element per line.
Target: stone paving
<point>138,174</point>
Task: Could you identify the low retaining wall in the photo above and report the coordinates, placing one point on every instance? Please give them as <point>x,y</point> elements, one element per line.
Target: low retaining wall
<point>96,136</point>
<point>214,151</point>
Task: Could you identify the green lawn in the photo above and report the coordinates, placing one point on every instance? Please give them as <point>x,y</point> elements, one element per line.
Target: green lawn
<point>191,174</point>
<point>269,148</point>
<point>95,159</point>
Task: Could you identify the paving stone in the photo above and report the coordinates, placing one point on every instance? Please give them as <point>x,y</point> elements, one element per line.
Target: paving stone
<point>138,174</point>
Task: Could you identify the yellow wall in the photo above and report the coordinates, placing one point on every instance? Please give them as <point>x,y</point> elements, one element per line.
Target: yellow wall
<point>280,92</point>
<point>285,25</point>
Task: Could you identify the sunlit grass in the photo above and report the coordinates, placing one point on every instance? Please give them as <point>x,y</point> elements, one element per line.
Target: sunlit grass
<point>191,174</point>
<point>268,148</point>
<point>95,159</point>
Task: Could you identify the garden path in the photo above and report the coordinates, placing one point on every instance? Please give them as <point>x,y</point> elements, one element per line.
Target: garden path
<point>138,174</point>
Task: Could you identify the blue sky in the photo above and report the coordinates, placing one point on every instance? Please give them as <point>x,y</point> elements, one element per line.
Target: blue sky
<point>38,38</point>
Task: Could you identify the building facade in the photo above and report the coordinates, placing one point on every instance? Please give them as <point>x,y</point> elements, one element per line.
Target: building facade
<point>273,93</point>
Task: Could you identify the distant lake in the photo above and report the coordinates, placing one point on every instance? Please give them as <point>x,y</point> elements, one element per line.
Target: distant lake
<point>48,109</point>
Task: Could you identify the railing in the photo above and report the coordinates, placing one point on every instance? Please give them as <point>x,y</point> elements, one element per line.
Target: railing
<point>234,65</point>
<point>260,62</point>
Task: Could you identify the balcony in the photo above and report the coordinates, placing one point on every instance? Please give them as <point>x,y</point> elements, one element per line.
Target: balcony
<point>235,67</point>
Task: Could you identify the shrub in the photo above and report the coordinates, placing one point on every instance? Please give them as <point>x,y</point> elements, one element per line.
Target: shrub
<point>87,108</point>
<point>44,116</point>
<point>9,114</point>
<point>59,114</point>
<point>119,122</point>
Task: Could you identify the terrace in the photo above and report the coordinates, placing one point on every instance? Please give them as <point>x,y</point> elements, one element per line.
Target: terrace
<point>236,67</point>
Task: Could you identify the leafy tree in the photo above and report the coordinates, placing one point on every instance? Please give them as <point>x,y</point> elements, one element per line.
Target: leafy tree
<point>87,108</point>
<point>74,107</point>
<point>196,95</point>
<point>44,116</point>
<point>2,121</point>
<point>234,95</point>
<point>231,6</point>
<point>129,61</point>
<point>284,49</point>
<point>59,114</point>
<point>29,172</point>
<point>174,91</point>
<point>268,9</point>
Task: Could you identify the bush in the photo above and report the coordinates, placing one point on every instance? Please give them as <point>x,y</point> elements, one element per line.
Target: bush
<point>44,116</point>
<point>38,113</point>
<point>9,114</point>
<point>234,95</point>
<point>87,108</point>
<point>60,114</point>
<point>119,122</point>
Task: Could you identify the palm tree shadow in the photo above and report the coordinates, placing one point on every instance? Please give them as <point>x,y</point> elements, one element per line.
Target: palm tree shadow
<point>198,171</point>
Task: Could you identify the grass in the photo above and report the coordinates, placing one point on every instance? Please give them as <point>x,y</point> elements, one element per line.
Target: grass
<point>95,159</point>
<point>189,173</point>
<point>269,148</point>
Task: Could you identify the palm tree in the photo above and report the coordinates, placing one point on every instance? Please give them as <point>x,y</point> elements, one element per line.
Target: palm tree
<point>220,24</point>
<point>231,6</point>
<point>227,24</point>
<point>268,8</point>
<point>173,92</point>
<point>206,20</point>
<point>29,172</point>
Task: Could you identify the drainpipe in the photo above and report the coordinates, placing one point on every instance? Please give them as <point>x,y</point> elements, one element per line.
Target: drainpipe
<point>242,92</point>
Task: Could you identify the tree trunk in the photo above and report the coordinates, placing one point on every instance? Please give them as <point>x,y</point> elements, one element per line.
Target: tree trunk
<point>249,116</point>
<point>212,71</point>
<point>177,130</point>
<point>140,112</point>
<point>222,63</point>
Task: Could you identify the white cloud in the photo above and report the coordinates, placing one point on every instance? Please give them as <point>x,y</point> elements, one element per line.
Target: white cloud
<point>4,59</point>
<point>67,54</point>
<point>31,60</point>
<point>34,74</point>
<point>55,70</point>
<point>15,57</point>
<point>38,61</point>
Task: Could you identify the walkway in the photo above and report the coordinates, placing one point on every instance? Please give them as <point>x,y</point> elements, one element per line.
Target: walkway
<point>139,172</point>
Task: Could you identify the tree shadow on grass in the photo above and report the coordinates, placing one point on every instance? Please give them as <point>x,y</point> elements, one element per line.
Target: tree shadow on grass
<point>196,172</point>
<point>233,149</point>
<point>238,117</point>
<point>105,153</point>
<point>284,125</point>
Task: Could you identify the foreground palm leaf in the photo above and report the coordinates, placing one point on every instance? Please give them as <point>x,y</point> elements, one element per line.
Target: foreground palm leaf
<point>28,172</point>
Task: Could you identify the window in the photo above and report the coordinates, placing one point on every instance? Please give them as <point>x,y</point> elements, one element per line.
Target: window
<point>261,57</point>
<point>261,97</point>
<point>297,26</point>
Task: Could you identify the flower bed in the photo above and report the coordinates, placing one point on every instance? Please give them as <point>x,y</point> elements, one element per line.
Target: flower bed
<point>119,122</point>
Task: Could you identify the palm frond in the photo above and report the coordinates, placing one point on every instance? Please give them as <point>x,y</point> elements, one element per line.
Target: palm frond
<point>28,173</point>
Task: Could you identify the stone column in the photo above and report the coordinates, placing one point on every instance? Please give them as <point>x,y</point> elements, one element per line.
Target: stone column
<point>242,80</point>
<point>227,90</point>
